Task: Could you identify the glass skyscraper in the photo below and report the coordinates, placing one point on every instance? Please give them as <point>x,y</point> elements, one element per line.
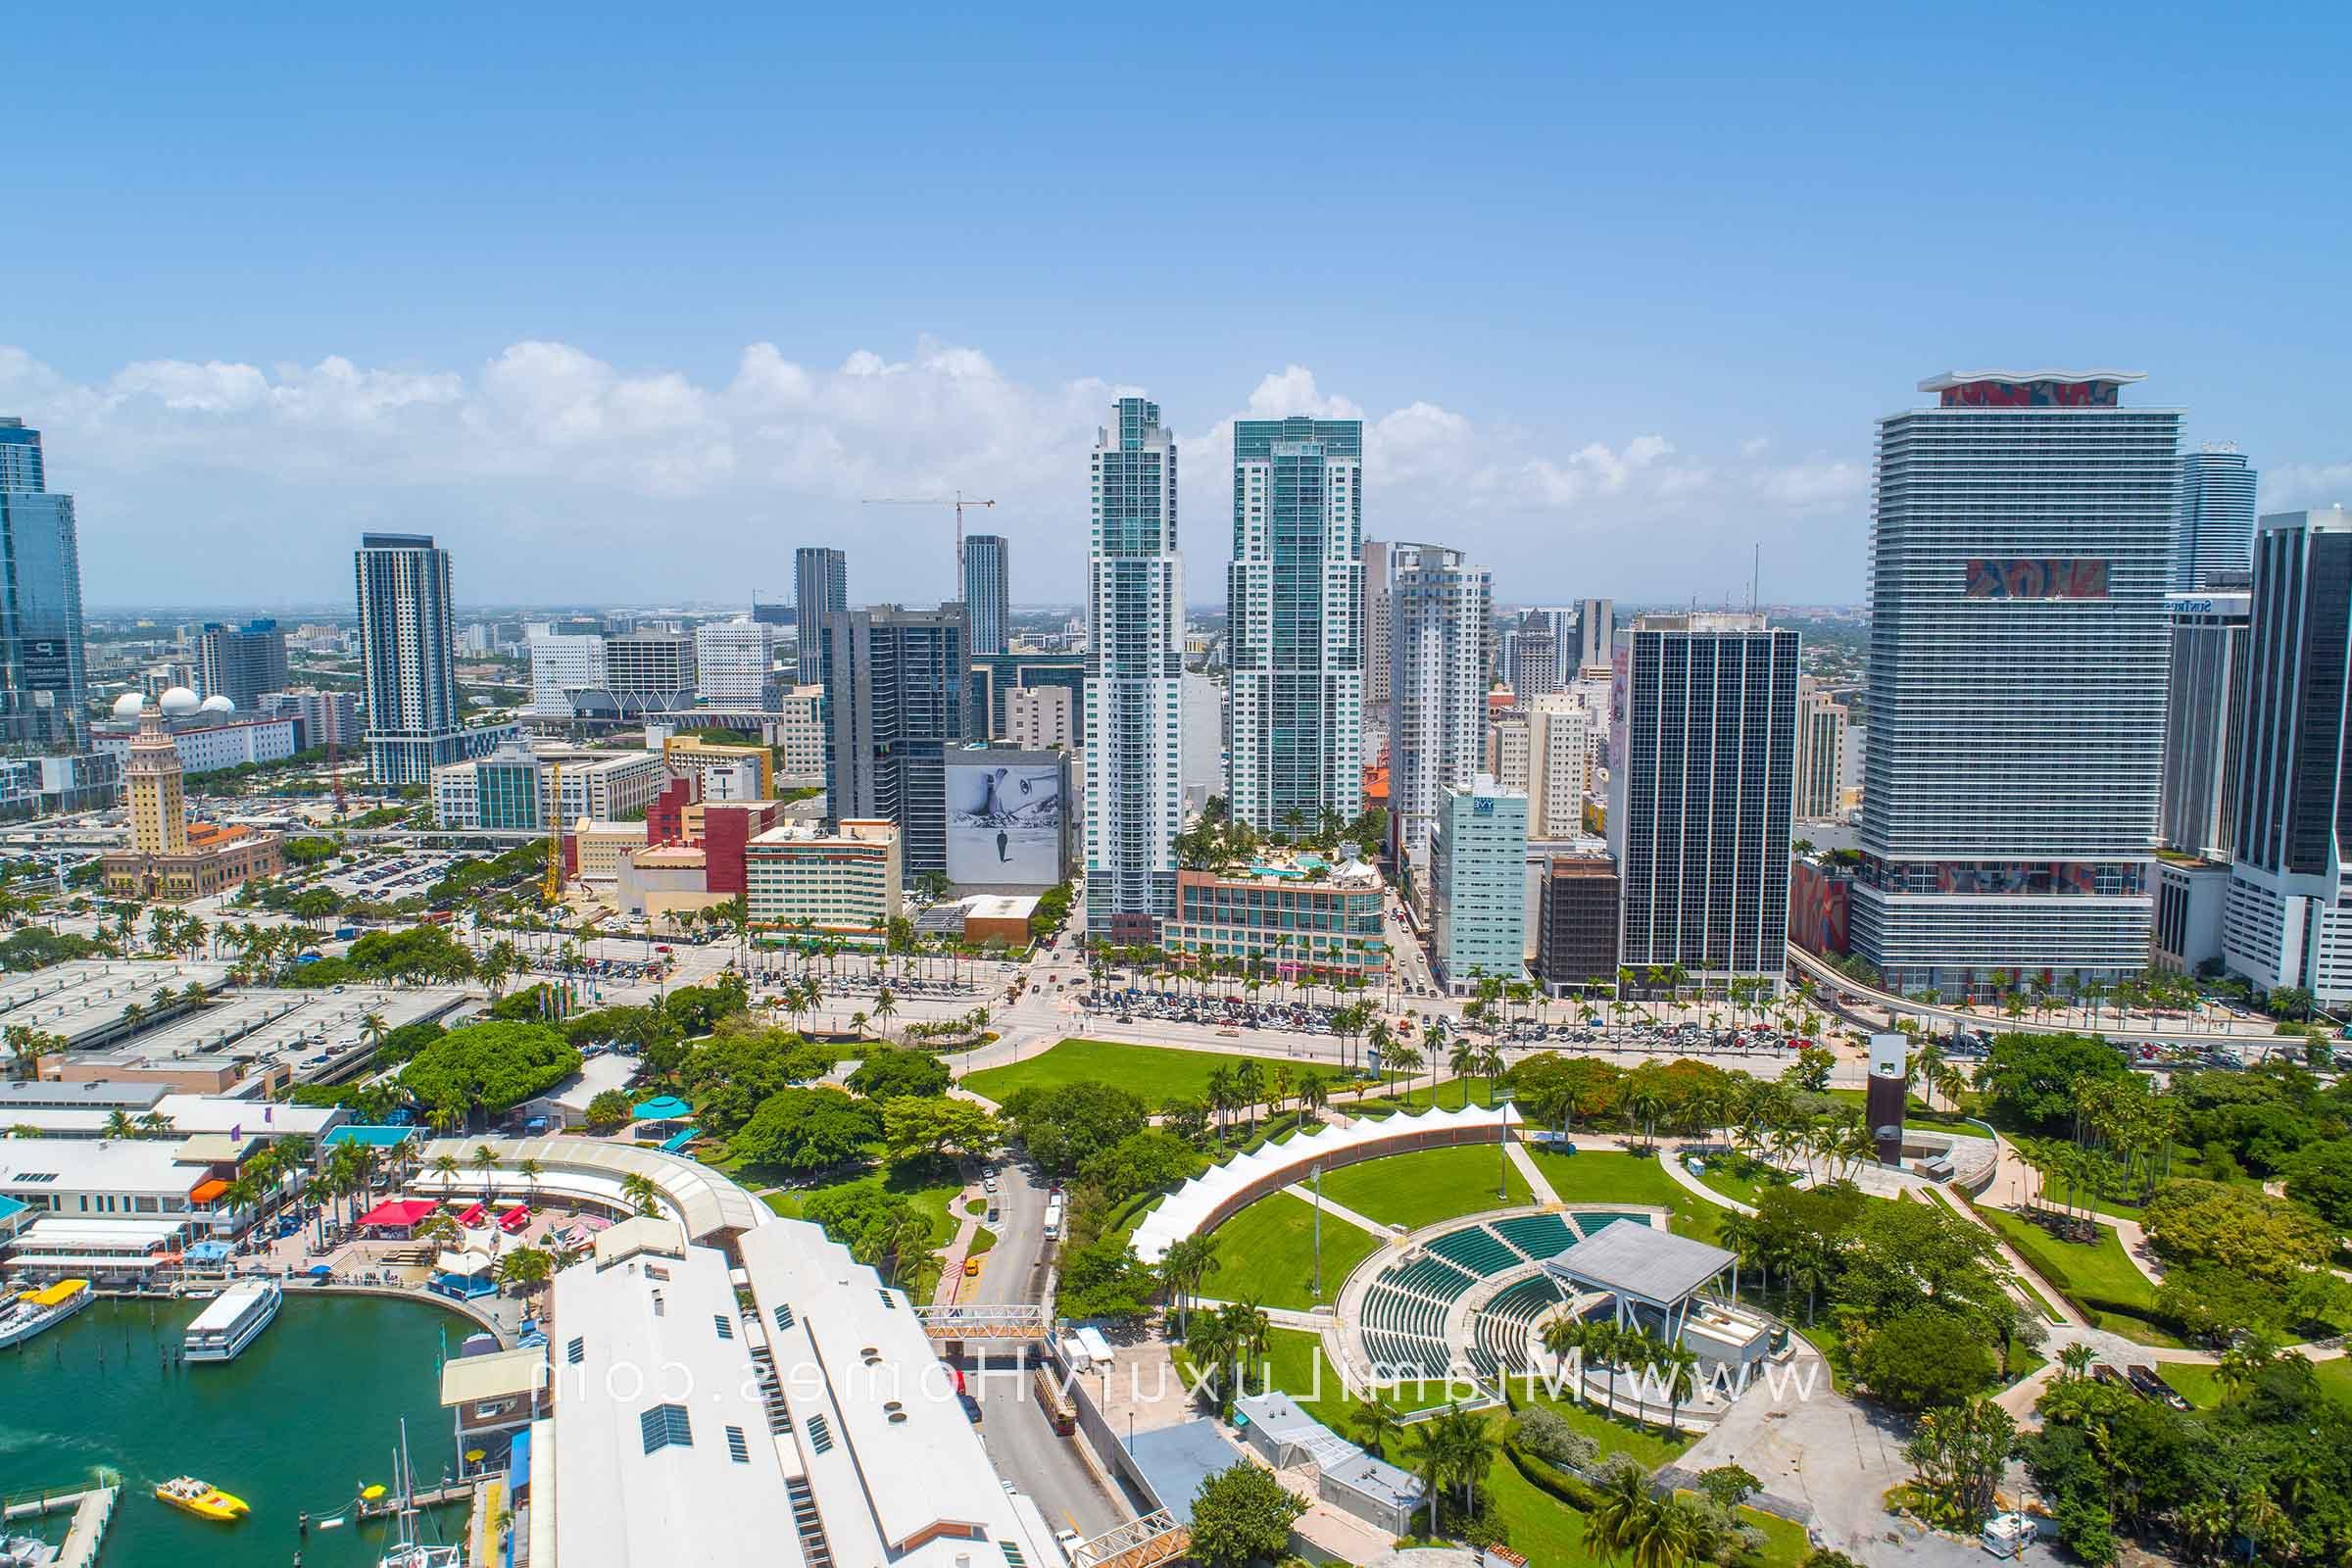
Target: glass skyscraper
<point>1293,594</point>
<point>2214,544</point>
<point>987,591</point>
<point>820,585</point>
<point>2291,873</point>
<point>2021,545</point>
<point>2204,723</point>
<point>1439,606</point>
<point>42,688</point>
<point>895,687</point>
<point>407,657</point>
<point>1701,793</point>
<point>1134,679</point>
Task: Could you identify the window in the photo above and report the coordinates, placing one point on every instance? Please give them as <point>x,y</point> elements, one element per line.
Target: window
<point>783,1315</point>
<point>737,1449</point>
<point>663,1427</point>
<point>574,1350</point>
<point>718,1321</point>
<point>820,1434</point>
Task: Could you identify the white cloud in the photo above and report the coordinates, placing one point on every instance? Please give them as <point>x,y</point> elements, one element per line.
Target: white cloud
<point>2301,486</point>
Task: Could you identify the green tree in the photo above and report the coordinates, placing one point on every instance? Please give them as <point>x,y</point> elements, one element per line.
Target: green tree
<point>806,1130</point>
<point>914,1127</point>
<point>1241,1515</point>
<point>1923,1358</point>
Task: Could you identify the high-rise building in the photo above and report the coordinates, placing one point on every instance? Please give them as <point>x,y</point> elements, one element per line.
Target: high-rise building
<point>1377,625</point>
<point>1038,717</point>
<point>1436,683</point>
<point>894,707</point>
<point>2290,877</point>
<point>820,579</point>
<point>317,716</point>
<point>770,614</point>
<point>1134,729</point>
<point>563,664</point>
<point>1293,748</point>
<point>1540,748</point>
<point>987,591</point>
<point>406,657</point>
<point>2204,721</point>
<point>166,859</point>
<point>733,662</point>
<point>42,688</point>
<point>1700,793</point>
<point>1596,631</point>
<point>241,663</point>
<point>2214,541</point>
<point>1531,657</point>
<point>1576,924</point>
<point>2022,534</point>
<point>1821,738</point>
<point>657,665</point>
<point>1478,884</point>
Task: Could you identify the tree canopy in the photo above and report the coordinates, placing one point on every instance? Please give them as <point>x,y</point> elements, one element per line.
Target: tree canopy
<point>495,1066</point>
<point>1066,1125</point>
<point>2028,1081</point>
<point>808,1130</point>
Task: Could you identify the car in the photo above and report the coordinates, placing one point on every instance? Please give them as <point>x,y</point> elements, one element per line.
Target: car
<point>971,1268</point>
<point>1069,1540</point>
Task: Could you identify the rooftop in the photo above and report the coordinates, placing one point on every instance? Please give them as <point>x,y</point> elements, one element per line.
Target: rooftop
<point>1953,379</point>
<point>1644,1261</point>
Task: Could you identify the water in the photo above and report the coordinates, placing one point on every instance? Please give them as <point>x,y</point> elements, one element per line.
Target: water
<point>311,1410</point>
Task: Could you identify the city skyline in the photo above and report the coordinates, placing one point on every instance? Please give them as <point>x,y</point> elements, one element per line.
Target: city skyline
<point>1538,317</point>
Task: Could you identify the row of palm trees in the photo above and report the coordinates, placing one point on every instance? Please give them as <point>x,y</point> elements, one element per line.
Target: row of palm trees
<point>1630,1347</point>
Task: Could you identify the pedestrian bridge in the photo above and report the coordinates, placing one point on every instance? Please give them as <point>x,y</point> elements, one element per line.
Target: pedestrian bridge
<point>1156,1538</point>
<point>1020,1321</point>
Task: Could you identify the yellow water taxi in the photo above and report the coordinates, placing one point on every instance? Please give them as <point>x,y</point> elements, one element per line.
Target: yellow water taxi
<point>201,1498</point>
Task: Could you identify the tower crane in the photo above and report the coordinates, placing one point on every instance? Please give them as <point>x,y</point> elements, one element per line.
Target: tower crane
<point>958,500</point>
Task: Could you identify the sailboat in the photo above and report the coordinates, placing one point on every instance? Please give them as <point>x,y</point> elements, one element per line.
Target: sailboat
<point>405,1550</point>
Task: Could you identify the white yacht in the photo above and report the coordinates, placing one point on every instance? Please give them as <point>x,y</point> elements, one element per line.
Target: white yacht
<point>35,1310</point>
<point>232,1320</point>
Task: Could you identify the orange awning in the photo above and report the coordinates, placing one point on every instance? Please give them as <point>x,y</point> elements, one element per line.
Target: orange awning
<point>205,1191</point>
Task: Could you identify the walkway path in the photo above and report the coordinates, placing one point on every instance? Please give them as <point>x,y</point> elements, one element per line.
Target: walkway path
<point>1681,1173</point>
<point>1537,1182</point>
<point>1306,1195</point>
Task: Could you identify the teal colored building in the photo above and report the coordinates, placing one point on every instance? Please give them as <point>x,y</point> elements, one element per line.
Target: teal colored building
<point>1478,884</point>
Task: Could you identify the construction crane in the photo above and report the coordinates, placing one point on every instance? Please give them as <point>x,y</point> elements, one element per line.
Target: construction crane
<point>958,500</point>
<point>553,890</point>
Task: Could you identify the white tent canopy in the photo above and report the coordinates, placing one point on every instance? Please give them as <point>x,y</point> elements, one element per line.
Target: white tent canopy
<point>1205,1199</point>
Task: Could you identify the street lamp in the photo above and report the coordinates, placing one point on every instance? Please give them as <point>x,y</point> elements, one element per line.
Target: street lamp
<point>1503,1106</point>
<point>1314,1175</point>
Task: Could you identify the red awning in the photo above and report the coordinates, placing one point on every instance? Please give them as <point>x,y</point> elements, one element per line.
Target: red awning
<point>205,1192</point>
<point>471,1216</point>
<point>514,1219</point>
<point>401,1211</point>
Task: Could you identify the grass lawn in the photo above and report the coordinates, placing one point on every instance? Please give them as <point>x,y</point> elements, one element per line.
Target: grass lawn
<point>1617,1434</point>
<point>1428,1185</point>
<point>2197,1384</point>
<point>1266,1252</point>
<point>1416,1094</point>
<point>1610,1176</point>
<point>1741,1177</point>
<point>1159,1073</point>
<point>2099,1277</point>
<point>932,1193</point>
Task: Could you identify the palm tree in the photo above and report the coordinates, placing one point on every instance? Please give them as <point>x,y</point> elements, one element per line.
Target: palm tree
<point>639,1190</point>
<point>1461,1061</point>
<point>1185,1265</point>
<point>886,1007</point>
<point>1622,1513</point>
<point>118,1124</point>
<point>2077,1359</point>
<point>1376,1423</point>
<point>1404,1056</point>
<point>2242,1362</point>
<point>1314,1092</point>
<point>1432,1460</point>
<point>372,1028</point>
<point>485,1160</point>
<point>529,1170</point>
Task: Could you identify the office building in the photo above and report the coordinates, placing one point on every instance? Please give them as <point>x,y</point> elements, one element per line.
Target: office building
<point>1038,717</point>
<point>1478,884</point>
<point>1133,726</point>
<point>1576,925</point>
<point>240,662</point>
<point>1294,745</point>
<point>770,614</point>
<point>2192,905</point>
<point>799,736</point>
<point>2213,543</point>
<point>1541,748</point>
<point>1701,795</point>
<point>1298,917</point>
<point>987,593</point>
<point>1375,619</point>
<point>407,674</point>
<point>893,705</point>
<point>1436,683</point>
<point>1531,657</point>
<point>844,881</point>
<point>995,678</point>
<point>318,716</point>
<point>649,670</point>
<point>520,788</point>
<point>2204,721</point>
<point>1008,818</point>
<point>208,735</point>
<point>2022,533</point>
<point>1596,631</point>
<point>563,663</point>
<point>168,859</point>
<point>42,684</point>
<point>726,772</point>
<point>2290,880</point>
<point>733,663</point>
<point>820,579</point>
<point>1821,740</point>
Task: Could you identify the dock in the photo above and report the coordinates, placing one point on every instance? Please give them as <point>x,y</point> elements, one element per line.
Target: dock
<point>94,1510</point>
<point>385,1507</point>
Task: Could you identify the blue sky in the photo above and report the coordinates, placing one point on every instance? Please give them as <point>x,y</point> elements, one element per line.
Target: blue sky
<point>629,306</point>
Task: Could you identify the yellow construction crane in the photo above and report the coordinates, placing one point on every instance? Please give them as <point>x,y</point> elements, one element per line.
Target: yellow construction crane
<point>553,890</point>
<point>958,500</point>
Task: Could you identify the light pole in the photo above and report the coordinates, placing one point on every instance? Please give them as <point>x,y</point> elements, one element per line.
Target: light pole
<point>1314,1175</point>
<point>1503,1106</point>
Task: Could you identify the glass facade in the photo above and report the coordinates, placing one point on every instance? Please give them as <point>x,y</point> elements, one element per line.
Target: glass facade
<point>820,585</point>
<point>408,659</point>
<point>895,687</point>
<point>1288,923</point>
<point>1438,607</point>
<point>1477,882</point>
<point>987,591</point>
<point>41,676</point>
<point>2214,546</point>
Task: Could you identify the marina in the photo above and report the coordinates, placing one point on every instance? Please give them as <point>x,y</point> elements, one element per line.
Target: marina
<point>301,1424</point>
<point>36,1311</point>
<point>232,1320</point>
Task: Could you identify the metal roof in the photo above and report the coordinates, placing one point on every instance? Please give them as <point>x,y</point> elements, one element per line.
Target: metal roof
<point>1642,1260</point>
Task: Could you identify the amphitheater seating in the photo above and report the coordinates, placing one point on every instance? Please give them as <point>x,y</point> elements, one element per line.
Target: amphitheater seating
<point>1432,1277</point>
<point>1537,1236</point>
<point>1498,1331</point>
<point>1591,1224</point>
<point>1476,1249</point>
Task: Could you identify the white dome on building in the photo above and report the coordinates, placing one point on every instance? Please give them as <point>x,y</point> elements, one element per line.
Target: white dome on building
<point>217,703</point>
<point>130,705</point>
<point>180,701</point>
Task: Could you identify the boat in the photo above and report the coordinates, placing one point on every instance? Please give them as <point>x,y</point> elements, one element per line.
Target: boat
<point>405,1550</point>
<point>26,1551</point>
<point>35,1310</point>
<point>201,1498</point>
<point>233,1320</point>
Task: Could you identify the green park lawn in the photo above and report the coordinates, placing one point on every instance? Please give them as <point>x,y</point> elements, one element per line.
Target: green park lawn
<point>1266,1253</point>
<point>930,1191</point>
<point>1610,1176</point>
<point>1416,1094</point>
<point>1742,1178</point>
<point>2099,1277</point>
<point>1157,1073</point>
<point>1434,1184</point>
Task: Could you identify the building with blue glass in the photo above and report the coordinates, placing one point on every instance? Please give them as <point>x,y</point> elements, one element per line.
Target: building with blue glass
<point>42,685</point>
<point>1478,884</point>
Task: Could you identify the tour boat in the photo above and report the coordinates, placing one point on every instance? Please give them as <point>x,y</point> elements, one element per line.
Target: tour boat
<point>201,1498</point>
<point>233,1320</point>
<point>35,1310</point>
